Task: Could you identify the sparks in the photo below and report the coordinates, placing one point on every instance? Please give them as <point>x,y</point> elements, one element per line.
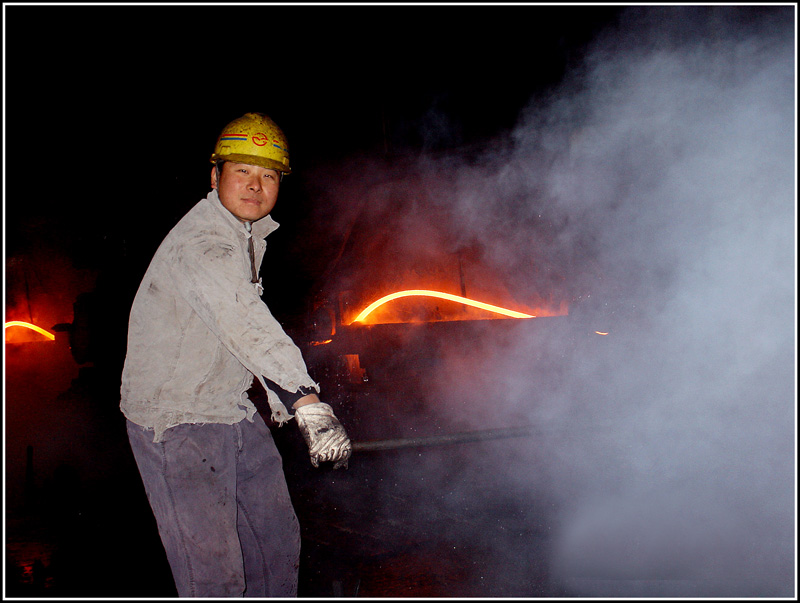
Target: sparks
<point>427,293</point>
<point>27,325</point>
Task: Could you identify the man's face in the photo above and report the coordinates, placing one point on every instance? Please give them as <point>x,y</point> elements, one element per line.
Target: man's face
<point>249,192</point>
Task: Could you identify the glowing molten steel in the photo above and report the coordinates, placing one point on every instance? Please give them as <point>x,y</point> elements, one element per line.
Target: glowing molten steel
<point>27,325</point>
<point>427,293</point>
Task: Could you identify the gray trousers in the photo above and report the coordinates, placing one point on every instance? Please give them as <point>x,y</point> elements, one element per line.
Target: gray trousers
<point>219,496</point>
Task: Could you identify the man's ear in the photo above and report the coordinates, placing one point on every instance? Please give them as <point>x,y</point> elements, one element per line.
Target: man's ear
<point>214,177</point>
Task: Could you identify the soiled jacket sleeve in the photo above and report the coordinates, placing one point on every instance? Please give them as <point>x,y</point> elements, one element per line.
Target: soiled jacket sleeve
<point>209,274</point>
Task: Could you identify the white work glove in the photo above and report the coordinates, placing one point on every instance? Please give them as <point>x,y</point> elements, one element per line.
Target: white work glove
<point>326,438</point>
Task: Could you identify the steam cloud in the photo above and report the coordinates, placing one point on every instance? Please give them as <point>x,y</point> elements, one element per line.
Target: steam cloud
<point>669,162</point>
<point>658,181</point>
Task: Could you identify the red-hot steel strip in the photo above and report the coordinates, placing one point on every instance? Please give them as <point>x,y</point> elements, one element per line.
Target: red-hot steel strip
<point>27,325</point>
<point>449,296</point>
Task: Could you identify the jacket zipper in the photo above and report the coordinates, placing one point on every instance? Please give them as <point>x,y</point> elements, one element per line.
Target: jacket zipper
<point>251,249</point>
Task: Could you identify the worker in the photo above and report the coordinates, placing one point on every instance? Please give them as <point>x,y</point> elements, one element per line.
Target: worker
<point>198,335</point>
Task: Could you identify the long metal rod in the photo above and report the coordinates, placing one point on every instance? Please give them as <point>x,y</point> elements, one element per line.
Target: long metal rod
<point>445,439</point>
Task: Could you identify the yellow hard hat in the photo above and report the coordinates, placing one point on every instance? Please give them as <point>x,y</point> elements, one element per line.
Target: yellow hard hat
<point>254,139</point>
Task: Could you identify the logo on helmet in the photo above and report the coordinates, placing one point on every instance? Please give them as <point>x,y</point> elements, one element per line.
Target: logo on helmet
<point>260,139</point>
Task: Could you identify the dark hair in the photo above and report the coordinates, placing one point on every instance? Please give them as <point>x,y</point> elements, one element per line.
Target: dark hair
<point>219,164</point>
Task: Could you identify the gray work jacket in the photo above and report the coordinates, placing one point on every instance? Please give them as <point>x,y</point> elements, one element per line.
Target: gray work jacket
<point>199,331</point>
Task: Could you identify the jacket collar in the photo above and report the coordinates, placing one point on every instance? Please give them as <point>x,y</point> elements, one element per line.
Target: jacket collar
<point>261,228</point>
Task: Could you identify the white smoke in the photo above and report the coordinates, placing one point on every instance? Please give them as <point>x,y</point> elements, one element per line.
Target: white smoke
<point>664,169</point>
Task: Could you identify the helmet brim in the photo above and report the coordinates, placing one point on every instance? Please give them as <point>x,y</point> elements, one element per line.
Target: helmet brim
<point>264,162</point>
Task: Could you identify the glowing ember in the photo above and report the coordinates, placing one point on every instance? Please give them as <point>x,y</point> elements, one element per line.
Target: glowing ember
<point>602,332</point>
<point>449,296</point>
<point>27,325</point>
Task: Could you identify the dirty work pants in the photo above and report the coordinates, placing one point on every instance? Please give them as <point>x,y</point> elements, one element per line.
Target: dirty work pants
<point>219,496</point>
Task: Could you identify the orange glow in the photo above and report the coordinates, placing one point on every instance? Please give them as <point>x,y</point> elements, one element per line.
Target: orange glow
<point>601,333</point>
<point>27,325</point>
<point>449,296</point>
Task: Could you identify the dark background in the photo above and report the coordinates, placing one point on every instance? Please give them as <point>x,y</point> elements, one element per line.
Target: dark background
<point>112,112</point>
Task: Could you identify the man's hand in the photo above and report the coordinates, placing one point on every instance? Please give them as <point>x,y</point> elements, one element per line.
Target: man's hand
<point>326,438</point>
